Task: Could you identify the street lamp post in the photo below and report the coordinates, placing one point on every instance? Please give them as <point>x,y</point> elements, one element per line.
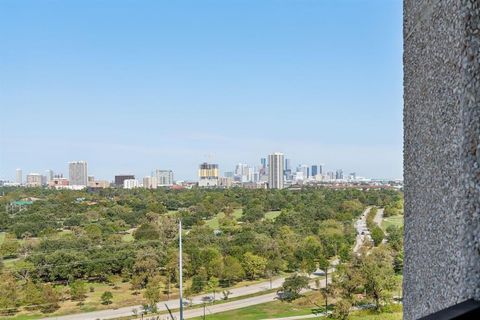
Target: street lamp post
<point>180,266</point>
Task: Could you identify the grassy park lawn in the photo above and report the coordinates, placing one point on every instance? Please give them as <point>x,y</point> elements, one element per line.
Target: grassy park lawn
<point>122,296</point>
<point>393,220</point>
<point>395,313</point>
<point>299,307</point>
<point>2,237</point>
<point>214,222</point>
<point>272,215</point>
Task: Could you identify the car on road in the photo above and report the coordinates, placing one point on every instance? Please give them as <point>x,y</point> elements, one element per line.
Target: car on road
<point>207,299</point>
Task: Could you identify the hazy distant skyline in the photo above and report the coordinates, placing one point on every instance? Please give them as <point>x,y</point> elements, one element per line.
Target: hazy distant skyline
<point>131,86</point>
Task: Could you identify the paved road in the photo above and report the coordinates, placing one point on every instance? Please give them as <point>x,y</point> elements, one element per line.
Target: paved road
<point>361,226</point>
<point>238,304</point>
<point>172,304</point>
<point>378,217</point>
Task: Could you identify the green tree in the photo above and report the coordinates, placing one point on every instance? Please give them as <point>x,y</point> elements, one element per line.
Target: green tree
<point>9,299</point>
<point>32,295</point>
<point>253,265</point>
<point>377,235</point>
<point>106,297</point>
<point>398,262</point>
<point>395,237</point>
<point>152,293</point>
<point>78,290</point>
<point>342,309</point>
<point>212,285</point>
<point>253,213</point>
<point>50,299</point>
<point>199,281</point>
<point>233,270</point>
<point>379,278</point>
<point>292,286</point>
<point>9,247</point>
<point>146,231</point>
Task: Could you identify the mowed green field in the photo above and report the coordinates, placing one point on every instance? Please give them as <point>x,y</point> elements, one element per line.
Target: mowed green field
<point>303,306</point>
<point>393,220</point>
<point>214,222</point>
<point>267,310</point>
<point>2,237</point>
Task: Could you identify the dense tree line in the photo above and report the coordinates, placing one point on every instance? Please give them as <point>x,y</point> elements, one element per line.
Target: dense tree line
<point>69,236</point>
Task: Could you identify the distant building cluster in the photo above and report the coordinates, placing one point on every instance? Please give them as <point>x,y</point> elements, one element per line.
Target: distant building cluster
<point>274,172</point>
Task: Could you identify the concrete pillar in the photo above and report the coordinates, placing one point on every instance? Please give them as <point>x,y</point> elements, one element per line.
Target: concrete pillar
<point>441,154</point>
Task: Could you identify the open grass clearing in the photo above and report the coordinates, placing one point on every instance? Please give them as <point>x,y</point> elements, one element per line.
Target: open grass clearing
<point>302,306</point>
<point>393,220</point>
<point>272,215</point>
<point>214,222</point>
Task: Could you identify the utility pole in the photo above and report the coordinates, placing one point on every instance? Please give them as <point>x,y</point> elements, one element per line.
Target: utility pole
<point>180,266</point>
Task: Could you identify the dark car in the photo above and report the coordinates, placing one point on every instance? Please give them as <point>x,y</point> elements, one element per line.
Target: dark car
<point>207,299</point>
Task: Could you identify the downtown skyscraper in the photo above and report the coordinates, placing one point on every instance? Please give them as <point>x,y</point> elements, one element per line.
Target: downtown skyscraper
<point>77,173</point>
<point>18,176</point>
<point>275,170</point>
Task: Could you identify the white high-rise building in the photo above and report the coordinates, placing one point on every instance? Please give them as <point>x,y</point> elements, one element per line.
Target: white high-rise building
<point>164,177</point>
<point>130,183</point>
<point>78,173</point>
<point>150,182</point>
<point>275,170</point>
<point>18,176</point>
<point>147,182</point>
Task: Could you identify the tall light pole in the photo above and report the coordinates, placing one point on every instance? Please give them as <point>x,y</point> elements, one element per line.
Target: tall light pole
<point>180,266</point>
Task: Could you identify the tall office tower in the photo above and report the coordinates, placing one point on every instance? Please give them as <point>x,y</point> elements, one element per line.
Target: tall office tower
<point>34,180</point>
<point>339,174</point>
<point>288,164</point>
<point>208,175</point>
<point>275,170</point>
<point>49,175</point>
<point>320,169</point>
<point>287,172</point>
<point>119,179</point>
<point>18,176</point>
<point>314,170</point>
<point>263,167</point>
<point>164,177</point>
<point>263,162</point>
<point>78,173</point>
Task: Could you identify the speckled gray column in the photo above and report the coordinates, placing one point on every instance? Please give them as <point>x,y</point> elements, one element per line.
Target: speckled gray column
<point>441,154</point>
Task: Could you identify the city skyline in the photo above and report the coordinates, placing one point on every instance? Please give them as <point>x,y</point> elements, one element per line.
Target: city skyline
<point>218,82</point>
<point>166,176</point>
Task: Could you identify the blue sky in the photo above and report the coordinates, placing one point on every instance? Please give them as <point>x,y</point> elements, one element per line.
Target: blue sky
<point>131,86</point>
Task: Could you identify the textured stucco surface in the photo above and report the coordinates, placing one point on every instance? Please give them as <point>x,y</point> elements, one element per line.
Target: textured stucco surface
<point>441,154</point>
